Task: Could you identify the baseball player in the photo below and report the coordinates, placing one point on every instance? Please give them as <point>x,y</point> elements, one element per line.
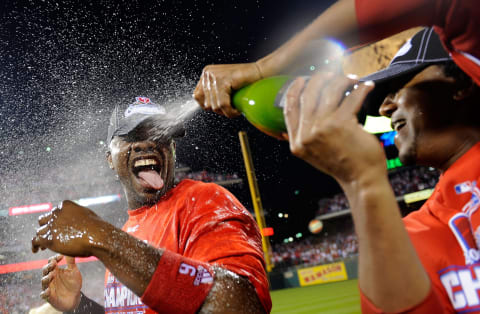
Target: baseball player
<point>184,249</point>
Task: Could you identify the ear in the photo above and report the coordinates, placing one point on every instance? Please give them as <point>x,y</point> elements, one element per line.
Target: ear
<point>109,159</point>
<point>464,91</point>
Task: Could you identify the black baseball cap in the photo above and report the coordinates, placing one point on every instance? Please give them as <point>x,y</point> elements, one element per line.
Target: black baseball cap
<point>127,120</point>
<point>420,51</point>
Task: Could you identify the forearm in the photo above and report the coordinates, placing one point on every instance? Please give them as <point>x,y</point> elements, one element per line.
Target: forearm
<point>341,15</point>
<point>87,306</point>
<point>390,272</point>
<point>132,261</point>
<point>151,272</point>
<point>355,22</point>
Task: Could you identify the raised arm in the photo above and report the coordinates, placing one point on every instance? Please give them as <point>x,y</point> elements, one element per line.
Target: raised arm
<point>324,131</point>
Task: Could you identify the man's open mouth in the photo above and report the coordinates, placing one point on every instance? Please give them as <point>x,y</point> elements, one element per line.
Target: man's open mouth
<point>148,172</point>
<point>145,165</point>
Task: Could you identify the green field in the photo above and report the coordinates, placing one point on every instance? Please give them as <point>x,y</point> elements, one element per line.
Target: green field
<point>338,297</point>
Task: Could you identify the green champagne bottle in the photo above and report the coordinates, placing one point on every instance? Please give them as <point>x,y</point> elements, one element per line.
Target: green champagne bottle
<point>260,104</point>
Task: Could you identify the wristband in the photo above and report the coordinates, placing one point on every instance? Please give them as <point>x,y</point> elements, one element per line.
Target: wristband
<point>86,306</point>
<point>179,284</point>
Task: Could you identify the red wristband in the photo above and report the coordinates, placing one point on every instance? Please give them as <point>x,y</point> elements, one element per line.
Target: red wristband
<point>179,285</point>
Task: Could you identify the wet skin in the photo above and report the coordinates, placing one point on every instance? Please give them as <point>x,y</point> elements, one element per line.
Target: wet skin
<point>121,158</point>
<point>75,230</point>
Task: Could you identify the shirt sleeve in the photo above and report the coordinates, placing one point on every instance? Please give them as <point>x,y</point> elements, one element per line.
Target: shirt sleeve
<point>222,232</point>
<point>431,304</point>
<point>378,19</point>
<point>457,22</point>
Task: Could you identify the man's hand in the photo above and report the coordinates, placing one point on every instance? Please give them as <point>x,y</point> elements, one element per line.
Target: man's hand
<point>214,89</point>
<point>69,229</point>
<point>323,128</point>
<point>61,286</point>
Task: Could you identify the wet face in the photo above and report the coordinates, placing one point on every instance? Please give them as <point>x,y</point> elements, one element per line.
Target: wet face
<point>421,113</point>
<point>145,169</point>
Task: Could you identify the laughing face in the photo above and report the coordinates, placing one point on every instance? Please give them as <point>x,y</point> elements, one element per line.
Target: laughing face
<point>145,169</point>
<point>421,113</point>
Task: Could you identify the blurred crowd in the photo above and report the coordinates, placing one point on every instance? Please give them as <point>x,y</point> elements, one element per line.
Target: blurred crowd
<point>18,295</point>
<point>414,179</point>
<point>315,250</point>
<point>403,181</point>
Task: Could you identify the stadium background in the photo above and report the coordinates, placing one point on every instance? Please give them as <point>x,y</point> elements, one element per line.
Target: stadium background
<point>63,65</point>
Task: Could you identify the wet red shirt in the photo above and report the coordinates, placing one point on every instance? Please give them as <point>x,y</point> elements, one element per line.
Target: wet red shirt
<point>446,235</point>
<point>201,221</point>
<point>457,22</point>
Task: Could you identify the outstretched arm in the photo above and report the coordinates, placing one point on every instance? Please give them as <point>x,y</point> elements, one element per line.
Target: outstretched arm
<point>353,22</point>
<point>77,231</point>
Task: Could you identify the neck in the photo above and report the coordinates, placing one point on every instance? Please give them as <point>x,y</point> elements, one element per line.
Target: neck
<point>135,201</point>
<point>455,145</point>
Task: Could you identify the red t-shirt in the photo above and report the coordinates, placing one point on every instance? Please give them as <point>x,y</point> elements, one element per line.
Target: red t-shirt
<point>457,22</point>
<point>200,221</point>
<point>446,235</point>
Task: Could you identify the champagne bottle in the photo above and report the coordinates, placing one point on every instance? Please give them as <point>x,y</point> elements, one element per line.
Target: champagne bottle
<point>260,104</point>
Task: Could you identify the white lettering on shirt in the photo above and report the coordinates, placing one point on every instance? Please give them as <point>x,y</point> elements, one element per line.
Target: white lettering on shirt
<point>462,286</point>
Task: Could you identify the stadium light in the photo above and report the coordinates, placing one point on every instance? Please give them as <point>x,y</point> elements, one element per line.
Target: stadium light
<point>29,209</point>
<point>98,200</point>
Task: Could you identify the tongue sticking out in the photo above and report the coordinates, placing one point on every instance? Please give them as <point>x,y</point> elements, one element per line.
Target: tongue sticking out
<point>151,179</point>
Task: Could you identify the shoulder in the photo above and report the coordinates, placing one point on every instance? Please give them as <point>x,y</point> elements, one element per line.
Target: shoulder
<point>423,222</point>
<point>431,237</point>
<point>205,190</point>
<point>211,198</point>
<point>196,186</point>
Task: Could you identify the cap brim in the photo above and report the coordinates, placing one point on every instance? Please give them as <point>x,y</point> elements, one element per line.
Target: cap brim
<point>128,125</point>
<point>159,127</point>
<point>381,80</point>
<point>392,72</point>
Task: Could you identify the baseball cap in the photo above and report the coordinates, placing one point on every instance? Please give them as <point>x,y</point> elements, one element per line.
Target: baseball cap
<point>142,120</point>
<point>420,51</point>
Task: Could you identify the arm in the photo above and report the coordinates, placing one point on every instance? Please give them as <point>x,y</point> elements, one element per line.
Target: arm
<point>324,131</point>
<point>388,262</point>
<point>355,22</point>
<point>77,231</point>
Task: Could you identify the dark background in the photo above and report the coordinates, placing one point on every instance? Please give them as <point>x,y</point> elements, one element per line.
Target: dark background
<point>65,64</point>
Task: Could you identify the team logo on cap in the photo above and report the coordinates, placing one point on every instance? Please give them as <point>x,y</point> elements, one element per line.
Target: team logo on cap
<point>143,105</point>
<point>142,100</point>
